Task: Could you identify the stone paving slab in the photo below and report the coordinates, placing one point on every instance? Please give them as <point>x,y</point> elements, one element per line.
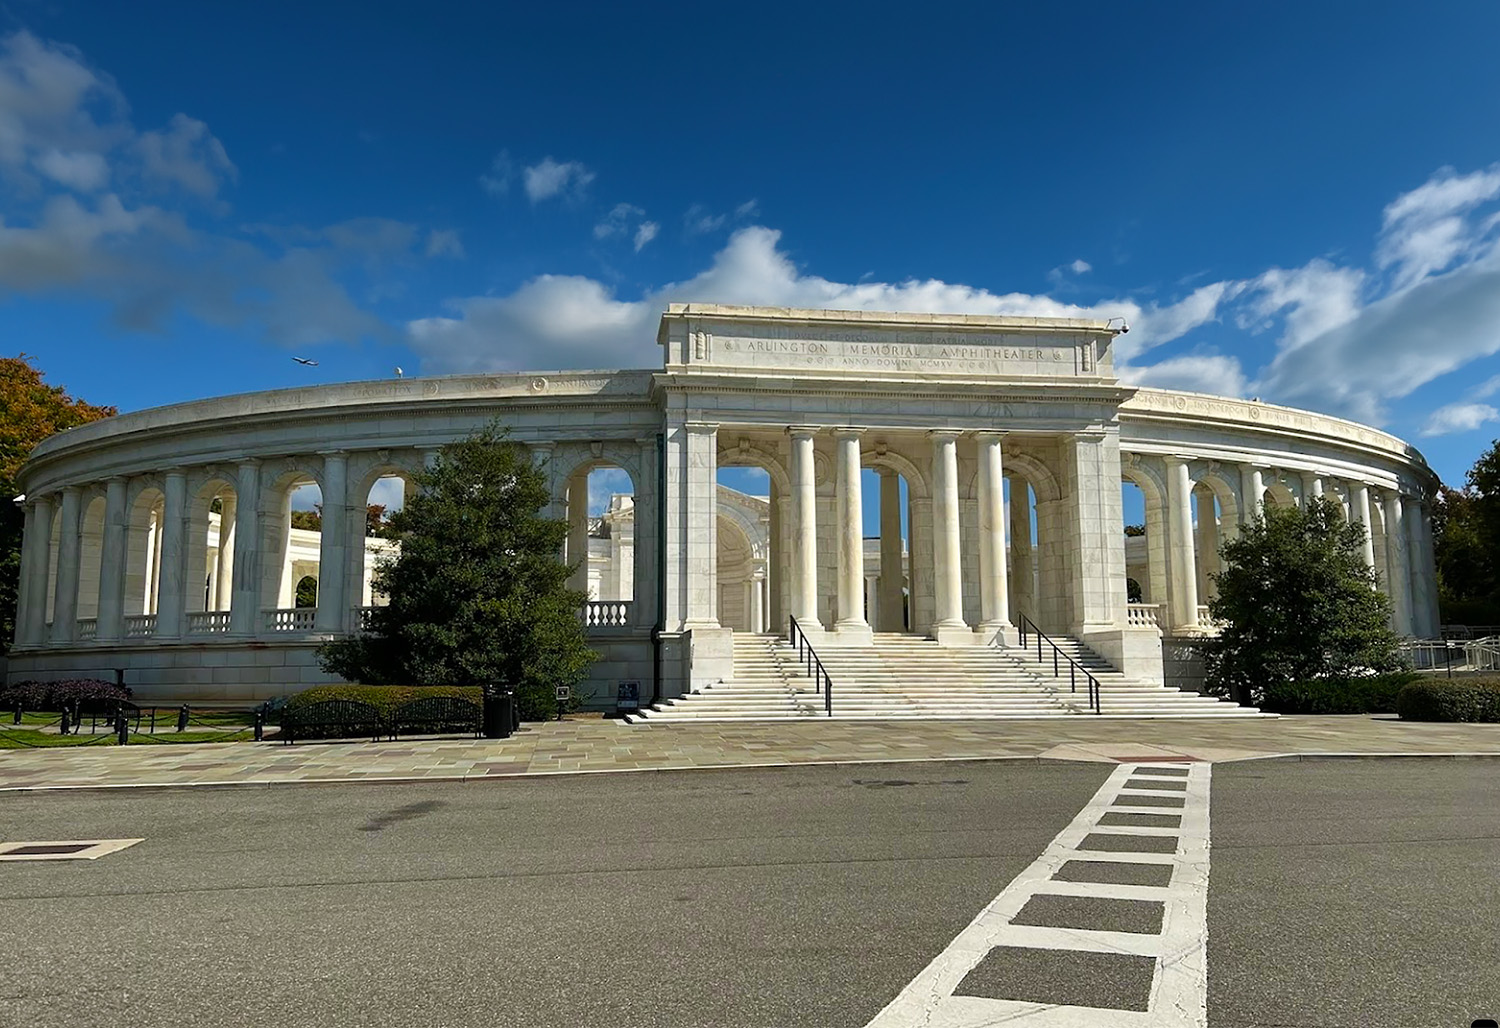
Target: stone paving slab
<point>603,746</point>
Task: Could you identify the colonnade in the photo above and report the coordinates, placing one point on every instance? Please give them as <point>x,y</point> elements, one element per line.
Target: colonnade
<point>1184,545</point>
<point>158,572</point>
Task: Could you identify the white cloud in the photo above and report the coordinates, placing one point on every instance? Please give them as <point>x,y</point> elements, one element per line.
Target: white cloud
<point>645,233</point>
<point>1313,300</point>
<point>185,155</point>
<point>1076,267</point>
<point>618,220</point>
<point>1425,231</point>
<point>564,321</point>
<point>444,243</point>
<point>75,169</point>
<point>1216,374</point>
<point>502,171</point>
<point>551,178</point>
<point>698,220</point>
<point>1459,417</point>
<point>604,483</point>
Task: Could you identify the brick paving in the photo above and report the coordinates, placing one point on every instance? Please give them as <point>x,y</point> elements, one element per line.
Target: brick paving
<point>597,745</point>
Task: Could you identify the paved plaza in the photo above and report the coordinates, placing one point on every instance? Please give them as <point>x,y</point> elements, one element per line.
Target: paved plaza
<point>599,745</point>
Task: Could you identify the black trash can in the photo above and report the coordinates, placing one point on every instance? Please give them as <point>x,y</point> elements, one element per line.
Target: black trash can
<point>499,712</point>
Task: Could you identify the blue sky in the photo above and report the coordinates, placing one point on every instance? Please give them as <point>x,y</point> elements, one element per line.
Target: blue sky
<point>1294,201</point>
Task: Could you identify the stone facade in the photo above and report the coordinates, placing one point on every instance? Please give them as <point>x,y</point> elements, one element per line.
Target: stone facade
<point>1001,445</point>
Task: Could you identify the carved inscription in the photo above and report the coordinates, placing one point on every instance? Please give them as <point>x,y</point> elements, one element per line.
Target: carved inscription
<point>876,351</point>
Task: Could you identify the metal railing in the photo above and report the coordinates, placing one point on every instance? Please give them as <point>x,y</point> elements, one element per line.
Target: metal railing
<point>1059,657</point>
<point>814,667</point>
<point>208,621</point>
<point>1143,615</point>
<point>607,613</point>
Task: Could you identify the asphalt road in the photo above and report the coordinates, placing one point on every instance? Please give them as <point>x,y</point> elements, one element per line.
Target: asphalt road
<point>1341,893</point>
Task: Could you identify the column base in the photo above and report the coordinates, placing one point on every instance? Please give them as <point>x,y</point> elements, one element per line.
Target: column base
<point>710,654</point>
<point>854,633</point>
<point>999,633</point>
<point>954,635</point>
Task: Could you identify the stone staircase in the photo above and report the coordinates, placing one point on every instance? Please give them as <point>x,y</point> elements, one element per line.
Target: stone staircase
<point>904,677</point>
<point>1119,694</point>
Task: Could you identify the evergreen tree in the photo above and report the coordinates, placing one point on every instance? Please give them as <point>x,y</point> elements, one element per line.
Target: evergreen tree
<point>477,593</point>
<point>1298,604</point>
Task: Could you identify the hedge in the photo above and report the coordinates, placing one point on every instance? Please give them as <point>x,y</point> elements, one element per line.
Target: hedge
<point>384,698</point>
<point>1450,699</point>
<point>1375,694</point>
<point>54,696</point>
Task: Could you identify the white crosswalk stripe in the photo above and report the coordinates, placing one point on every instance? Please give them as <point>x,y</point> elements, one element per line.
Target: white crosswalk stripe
<point>1179,986</point>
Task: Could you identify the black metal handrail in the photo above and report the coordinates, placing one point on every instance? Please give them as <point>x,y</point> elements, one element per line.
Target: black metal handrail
<point>1058,656</point>
<point>815,669</point>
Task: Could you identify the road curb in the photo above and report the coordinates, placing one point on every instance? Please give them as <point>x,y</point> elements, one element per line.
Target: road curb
<point>580,772</point>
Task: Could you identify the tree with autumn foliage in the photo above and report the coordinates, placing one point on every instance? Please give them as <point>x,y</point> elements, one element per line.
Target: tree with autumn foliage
<point>30,411</point>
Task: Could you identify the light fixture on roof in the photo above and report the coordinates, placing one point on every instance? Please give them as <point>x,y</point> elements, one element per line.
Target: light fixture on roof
<point>1123,327</point>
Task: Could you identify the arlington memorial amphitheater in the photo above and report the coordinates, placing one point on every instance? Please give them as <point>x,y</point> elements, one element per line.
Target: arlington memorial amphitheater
<point>161,542</point>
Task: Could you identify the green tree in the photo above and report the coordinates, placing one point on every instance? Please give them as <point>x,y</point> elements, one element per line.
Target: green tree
<point>1297,604</point>
<point>477,593</point>
<point>30,411</point>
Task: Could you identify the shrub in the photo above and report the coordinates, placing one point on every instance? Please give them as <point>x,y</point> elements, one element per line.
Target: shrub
<point>54,696</point>
<point>384,698</point>
<point>1374,694</point>
<point>1450,699</point>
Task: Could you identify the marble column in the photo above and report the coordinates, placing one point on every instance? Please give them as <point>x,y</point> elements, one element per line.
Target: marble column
<point>172,592</point>
<point>892,574</point>
<point>1208,543</point>
<point>851,624</point>
<point>646,539</point>
<point>947,554</point>
<point>40,572</point>
<point>779,587</point>
<point>757,605</point>
<point>244,597</point>
<point>1398,564</point>
<point>1181,566</point>
<point>994,589</point>
<point>804,531</point>
<point>224,564</point>
<point>1312,487</point>
<point>70,528</point>
<point>1252,493</point>
<point>333,548</point>
<point>578,531</point>
<point>1425,617</point>
<point>1359,505</point>
<point>112,558</point>
<point>1022,573</point>
<point>23,583</point>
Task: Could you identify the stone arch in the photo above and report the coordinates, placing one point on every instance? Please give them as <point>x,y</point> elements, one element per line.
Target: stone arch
<point>1225,491</point>
<point>144,512</point>
<point>735,560</point>
<point>916,482</point>
<point>366,472</point>
<point>747,453</point>
<point>570,466</point>
<point>567,463</point>
<point>1148,479</point>
<point>90,551</point>
<point>209,576</point>
<point>1041,479</point>
<point>279,573</point>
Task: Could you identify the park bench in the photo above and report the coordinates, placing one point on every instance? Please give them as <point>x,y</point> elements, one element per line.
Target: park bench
<point>437,714</point>
<point>344,715</point>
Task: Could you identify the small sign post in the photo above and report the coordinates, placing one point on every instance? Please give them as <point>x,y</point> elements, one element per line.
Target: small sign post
<point>628,697</point>
<point>564,693</point>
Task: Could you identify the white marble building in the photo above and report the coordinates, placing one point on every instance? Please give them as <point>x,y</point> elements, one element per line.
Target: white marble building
<point>1001,445</point>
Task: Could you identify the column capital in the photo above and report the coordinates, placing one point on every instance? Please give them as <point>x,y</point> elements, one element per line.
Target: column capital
<point>847,432</point>
<point>702,427</point>
<point>802,431</point>
<point>1091,433</point>
<point>332,453</point>
<point>944,435</point>
<point>991,436</point>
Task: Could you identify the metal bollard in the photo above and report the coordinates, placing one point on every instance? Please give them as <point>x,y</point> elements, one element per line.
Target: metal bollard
<point>18,715</point>
<point>182,716</point>
<point>260,725</point>
<point>515,710</point>
<point>63,729</point>
<point>122,727</point>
